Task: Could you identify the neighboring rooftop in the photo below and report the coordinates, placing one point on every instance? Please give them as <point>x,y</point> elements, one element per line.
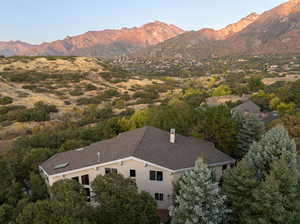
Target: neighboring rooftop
<point>148,143</point>
<point>270,116</point>
<point>248,106</point>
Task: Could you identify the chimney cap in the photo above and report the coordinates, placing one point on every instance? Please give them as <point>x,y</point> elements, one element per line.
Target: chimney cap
<point>172,136</point>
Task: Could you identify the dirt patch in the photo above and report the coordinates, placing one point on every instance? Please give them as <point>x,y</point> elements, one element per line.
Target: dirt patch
<point>288,78</point>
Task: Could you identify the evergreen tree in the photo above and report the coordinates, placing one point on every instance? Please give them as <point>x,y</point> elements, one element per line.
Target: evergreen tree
<point>263,187</point>
<point>199,200</point>
<point>250,129</point>
<point>274,144</point>
<point>239,184</point>
<point>276,197</point>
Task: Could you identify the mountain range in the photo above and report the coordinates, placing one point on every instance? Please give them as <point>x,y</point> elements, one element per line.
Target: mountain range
<point>106,43</point>
<point>274,31</point>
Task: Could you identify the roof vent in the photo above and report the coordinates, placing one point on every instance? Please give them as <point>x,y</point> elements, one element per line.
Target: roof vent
<point>80,149</point>
<point>60,166</point>
<point>98,157</point>
<point>172,136</point>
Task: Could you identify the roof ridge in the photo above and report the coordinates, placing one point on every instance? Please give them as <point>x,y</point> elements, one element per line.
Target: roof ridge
<point>142,138</point>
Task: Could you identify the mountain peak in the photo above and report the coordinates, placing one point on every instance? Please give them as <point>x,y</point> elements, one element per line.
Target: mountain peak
<point>238,26</point>
<point>286,8</point>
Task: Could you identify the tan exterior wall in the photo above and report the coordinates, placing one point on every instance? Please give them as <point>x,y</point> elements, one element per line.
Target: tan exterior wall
<point>142,178</point>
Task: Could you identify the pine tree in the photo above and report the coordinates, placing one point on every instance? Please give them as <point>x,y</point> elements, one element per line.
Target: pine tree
<point>268,203</point>
<point>250,129</point>
<point>199,200</point>
<point>274,144</point>
<point>263,187</point>
<point>239,184</point>
<point>276,197</point>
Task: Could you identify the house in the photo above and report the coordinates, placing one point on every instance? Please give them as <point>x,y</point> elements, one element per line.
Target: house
<point>249,107</point>
<point>153,157</point>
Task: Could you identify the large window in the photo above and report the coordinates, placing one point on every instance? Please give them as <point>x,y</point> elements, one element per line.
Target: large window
<point>132,173</point>
<point>85,179</point>
<point>110,170</point>
<point>156,175</point>
<point>159,196</point>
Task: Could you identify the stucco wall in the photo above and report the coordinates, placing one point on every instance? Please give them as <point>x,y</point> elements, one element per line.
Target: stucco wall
<point>142,178</point>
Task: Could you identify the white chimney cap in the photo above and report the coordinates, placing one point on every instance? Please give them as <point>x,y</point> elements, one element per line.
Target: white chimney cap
<point>98,156</point>
<point>172,136</point>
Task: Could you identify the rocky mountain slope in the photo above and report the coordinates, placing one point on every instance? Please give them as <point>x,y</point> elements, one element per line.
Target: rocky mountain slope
<point>13,47</point>
<point>274,31</point>
<point>106,43</point>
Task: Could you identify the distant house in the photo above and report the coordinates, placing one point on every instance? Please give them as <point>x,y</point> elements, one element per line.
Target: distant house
<point>249,107</point>
<point>153,157</point>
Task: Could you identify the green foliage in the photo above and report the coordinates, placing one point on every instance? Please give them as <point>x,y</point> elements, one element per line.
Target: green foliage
<point>110,93</point>
<point>93,114</point>
<point>120,202</point>
<point>274,144</point>
<point>38,188</point>
<point>147,95</point>
<point>180,117</point>
<point>255,84</point>
<point>250,129</point>
<point>263,187</point>
<point>239,184</point>
<point>221,90</point>
<point>292,125</point>
<point>40,112</point>
<point>35,77</point>
<point>217,125</point>
<point>67,205</point>
<point>199,199</point>
<point>6,100</point>
<point>293,93</point>
<point>90,87</point>
<point>275,199</point>
<point>76,92</point>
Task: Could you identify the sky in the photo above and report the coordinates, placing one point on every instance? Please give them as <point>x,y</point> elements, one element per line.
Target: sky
<point>36,21</point>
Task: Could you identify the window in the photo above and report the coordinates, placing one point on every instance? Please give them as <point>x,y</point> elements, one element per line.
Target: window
<point>152,175</point>
<point>159,175</point>
<point>85,179</point>
<point>88,194</point>
<point>76,179</point>
<point>110,170</point>
<point>156,175</point>
<point>132,173</point>
<point>224,167</point>
<point>159,196</point>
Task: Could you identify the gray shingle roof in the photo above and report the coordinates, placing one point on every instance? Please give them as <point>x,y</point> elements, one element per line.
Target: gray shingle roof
<point>147,143</point>
<point>247,106</point>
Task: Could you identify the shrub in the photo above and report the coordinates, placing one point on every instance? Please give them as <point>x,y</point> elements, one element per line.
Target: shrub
<point>76,92</point>
<point>5,100</point>
<point>90,87</point>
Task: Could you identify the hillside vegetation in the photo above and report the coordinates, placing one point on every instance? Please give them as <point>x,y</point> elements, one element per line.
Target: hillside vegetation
<point>39,90</point>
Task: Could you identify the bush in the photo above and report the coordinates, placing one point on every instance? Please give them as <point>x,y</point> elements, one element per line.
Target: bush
<point>5,100</point>
<point>90,87</point>
<point>76,92</point>
<point>110,93</point>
